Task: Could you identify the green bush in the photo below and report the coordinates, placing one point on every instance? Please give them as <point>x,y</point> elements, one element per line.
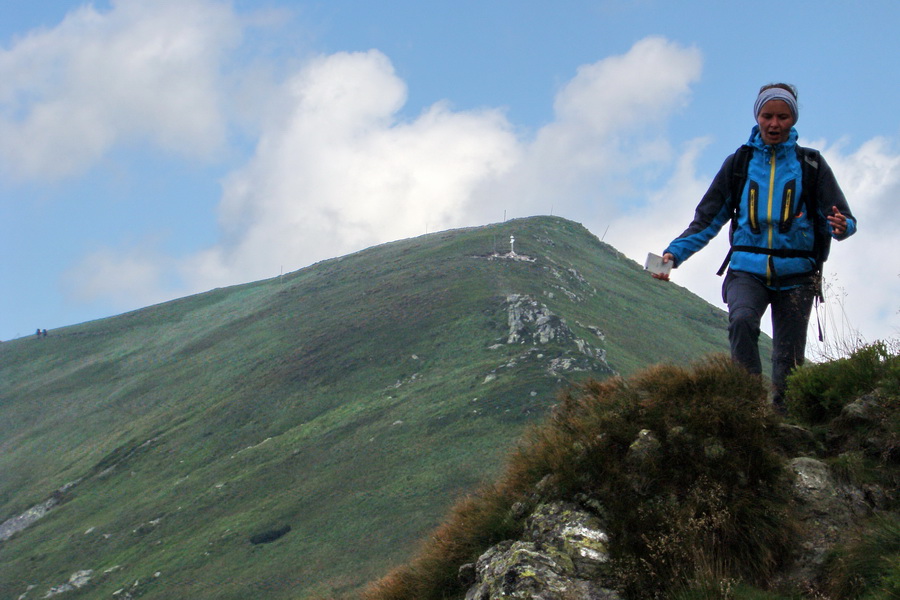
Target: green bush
<point>817,392</point>
<point>870,568</point>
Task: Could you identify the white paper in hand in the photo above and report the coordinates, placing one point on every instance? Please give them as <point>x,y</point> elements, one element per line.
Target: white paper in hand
<point>656,265</point>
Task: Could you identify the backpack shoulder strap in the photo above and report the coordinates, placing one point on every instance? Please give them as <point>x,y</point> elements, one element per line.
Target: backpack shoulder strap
<point>740,162</point>
<point>739,167</point>
<point>809,163</point>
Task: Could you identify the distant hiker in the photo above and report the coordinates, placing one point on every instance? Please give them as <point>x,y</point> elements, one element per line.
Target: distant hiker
<point>44,333</point>
<point>784,205</point>
<point>38,332</point>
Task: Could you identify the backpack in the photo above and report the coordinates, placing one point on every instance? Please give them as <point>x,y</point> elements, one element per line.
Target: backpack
<point>809,164</point>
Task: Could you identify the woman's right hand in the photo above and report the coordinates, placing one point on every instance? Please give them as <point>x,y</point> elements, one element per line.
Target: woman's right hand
<point>668,256</point>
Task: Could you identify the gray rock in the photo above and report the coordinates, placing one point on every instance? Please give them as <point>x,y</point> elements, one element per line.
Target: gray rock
<point>562,557</point>
<point>827,511</point>
<point>14,525</point>
<point>645,448</point>
<point>564,550</point>
<point>522,571</point>
<point>77,581</point>
<point>466,575</point>
<point>531,322</point>
<point>863,409</point>
<point>572,531</point>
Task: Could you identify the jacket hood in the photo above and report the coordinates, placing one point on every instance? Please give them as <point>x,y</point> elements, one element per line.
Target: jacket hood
<point>757,142</point>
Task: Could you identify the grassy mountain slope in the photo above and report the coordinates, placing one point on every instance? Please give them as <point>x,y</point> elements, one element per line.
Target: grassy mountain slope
<point>344,407</point>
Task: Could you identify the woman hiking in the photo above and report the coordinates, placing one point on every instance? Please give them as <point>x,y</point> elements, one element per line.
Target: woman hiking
<point>785,206</point>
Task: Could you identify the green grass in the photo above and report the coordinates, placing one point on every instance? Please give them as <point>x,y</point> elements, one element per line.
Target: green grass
<point>346,400</point>
<point>819,392</point>
<point>869,567</point>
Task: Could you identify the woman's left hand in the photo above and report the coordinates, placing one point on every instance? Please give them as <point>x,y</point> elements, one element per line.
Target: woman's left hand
<point>837,221</point>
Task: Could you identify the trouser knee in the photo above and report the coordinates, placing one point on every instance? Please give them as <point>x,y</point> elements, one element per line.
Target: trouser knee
<point>743,334</point>
<point>744,320</point>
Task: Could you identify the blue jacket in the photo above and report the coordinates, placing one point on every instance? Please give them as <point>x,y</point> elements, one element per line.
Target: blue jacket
<point>770,216</point>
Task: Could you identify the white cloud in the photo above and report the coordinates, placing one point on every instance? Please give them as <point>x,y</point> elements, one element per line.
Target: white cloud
<point>605,137</point>
<point>611,98</point>
<point>144,70</point>
<point>338,172</point>
<point>865,277</point>
<point>118,277</point>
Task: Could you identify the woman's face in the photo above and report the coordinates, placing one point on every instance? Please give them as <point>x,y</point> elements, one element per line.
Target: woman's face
<point>775,121</point>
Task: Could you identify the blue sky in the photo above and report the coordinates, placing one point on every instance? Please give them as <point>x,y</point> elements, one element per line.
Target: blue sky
<point>151,149</point>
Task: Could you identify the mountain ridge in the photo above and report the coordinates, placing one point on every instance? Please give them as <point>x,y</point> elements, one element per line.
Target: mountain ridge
<point>321,403</point>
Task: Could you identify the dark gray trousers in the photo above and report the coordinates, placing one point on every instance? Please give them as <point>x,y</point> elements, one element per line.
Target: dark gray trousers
<point>747,298</point>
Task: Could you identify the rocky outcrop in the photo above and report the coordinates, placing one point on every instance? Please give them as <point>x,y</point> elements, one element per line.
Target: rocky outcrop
<point>532,323</point>
<point>826,510</point>
<point>563,556</point>
<point>563,553</point>
<point>77,581</point>
<point>15,524</point>
<point>828,507</point>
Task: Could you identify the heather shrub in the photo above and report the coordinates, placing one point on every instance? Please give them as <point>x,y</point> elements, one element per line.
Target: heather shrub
<point>713,491</point>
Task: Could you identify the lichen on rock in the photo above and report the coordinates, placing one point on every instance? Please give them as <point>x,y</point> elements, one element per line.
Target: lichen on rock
<point>562,557</point>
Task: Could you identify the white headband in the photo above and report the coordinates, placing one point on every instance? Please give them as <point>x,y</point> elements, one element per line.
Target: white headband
<point>776,93</point>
